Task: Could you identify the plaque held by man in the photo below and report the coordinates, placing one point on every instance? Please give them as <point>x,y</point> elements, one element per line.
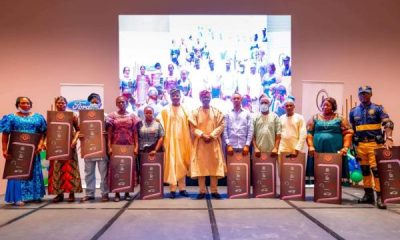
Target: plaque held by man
<point>59,135</point>
<point>21,152</point>
<point>292,185</point>
<point>93,141</point>
<point>264,175</point>
<point>238,175</point>
<point>389,173</point>
<point>328,174</point>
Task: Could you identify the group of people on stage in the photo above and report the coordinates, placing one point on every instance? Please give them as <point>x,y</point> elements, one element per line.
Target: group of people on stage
<point>194,142</point>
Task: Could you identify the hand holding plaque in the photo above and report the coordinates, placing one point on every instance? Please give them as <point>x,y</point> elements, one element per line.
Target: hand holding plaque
<point>245,151</point>
<point>274,152</point>
<point>257,152</point>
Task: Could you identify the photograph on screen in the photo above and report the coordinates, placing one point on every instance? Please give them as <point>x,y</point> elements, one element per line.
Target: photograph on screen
<point>226,54</point>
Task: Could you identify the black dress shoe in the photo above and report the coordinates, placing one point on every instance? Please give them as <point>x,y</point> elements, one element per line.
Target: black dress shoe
<point>87,198</point>
<point>172,195</point>
<point>368,197</point>
<point>200,196</point>
<point>184,193</point>
<point>216,195</point>
<point>380,204</point>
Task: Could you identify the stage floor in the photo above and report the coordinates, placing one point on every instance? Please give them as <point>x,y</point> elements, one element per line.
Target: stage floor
<point>185,218</point>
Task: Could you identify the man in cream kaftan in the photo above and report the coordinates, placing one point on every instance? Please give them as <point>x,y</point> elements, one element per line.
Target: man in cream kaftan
<point>294,131</point>
<point>207,124</point>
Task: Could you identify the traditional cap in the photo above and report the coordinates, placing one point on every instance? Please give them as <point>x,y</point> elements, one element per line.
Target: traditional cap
<point>174,90</point>
<point>289,99</point>
<point>204,92</point>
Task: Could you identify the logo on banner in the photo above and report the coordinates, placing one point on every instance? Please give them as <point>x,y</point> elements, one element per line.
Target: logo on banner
<point>76,105</point>
<point>321,95</point>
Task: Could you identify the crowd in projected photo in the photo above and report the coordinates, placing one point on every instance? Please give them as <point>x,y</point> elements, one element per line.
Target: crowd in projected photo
<point>251,59</point>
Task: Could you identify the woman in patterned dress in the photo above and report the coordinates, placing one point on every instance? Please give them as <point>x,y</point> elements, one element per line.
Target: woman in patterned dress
<point>20,191</point>
<point>122,131</point>
<point>64,175</point>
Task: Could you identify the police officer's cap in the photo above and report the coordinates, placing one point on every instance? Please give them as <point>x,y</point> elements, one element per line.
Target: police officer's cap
<point>364,89</point>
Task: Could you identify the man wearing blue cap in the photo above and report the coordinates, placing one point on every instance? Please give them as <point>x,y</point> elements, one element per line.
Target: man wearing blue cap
<point>367,120</point>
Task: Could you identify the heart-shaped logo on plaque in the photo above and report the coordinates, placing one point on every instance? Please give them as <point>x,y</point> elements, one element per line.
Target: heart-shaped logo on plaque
<point>327,158</point>
<point>151,157</point>
<point>60,116</point>
<point>123,150</point>
<point>387,154</point>
<point>238,157</point>
<point>24,137</point>
<point>91,114</point>
<point>263,157</point>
